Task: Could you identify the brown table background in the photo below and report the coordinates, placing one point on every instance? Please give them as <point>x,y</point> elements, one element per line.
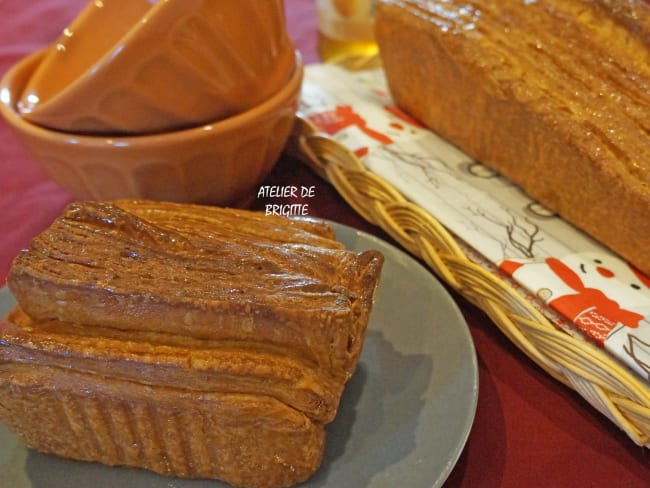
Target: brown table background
<point>529,430</point>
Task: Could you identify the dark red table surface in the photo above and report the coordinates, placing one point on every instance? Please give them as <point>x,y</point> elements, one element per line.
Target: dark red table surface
<point>529,430</point>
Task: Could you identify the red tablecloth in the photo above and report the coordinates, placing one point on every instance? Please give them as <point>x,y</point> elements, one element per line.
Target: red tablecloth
<point>529,430</point>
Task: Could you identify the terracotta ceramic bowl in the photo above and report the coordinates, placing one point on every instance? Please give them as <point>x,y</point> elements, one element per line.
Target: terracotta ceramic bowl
<point>139,67</point>
<point>220,163</point>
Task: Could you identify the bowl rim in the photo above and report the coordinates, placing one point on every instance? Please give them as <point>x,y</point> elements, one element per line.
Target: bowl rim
<point>8,109</point>
<point>47,111</point>
<point>89,11</point>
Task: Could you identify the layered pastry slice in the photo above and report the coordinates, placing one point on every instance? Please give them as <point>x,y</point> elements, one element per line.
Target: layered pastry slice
<point>191,341</point>
<point>201,272</point>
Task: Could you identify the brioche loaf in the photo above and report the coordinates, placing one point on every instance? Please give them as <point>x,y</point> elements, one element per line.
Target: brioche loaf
<point>553,94</point>
<point>192,341</point>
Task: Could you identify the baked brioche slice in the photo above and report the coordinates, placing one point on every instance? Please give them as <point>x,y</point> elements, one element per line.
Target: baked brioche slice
<point>553,94</point>
<point>202,272</point>
<point>251,441</point>
<point>157,359</point>
<point>192,341</point>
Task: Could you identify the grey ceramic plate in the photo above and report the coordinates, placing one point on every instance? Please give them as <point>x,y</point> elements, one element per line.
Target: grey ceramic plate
<point>404,418</point>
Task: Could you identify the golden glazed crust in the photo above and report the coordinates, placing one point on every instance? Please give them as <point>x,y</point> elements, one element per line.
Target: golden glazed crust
<point>552,94</point>
<point>201,272</point>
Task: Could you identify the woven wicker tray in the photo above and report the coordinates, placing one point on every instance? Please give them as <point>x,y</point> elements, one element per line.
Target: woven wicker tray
<point>601,380</point>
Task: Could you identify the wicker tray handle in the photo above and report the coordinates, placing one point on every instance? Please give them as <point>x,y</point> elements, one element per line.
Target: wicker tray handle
<point>611,388</point>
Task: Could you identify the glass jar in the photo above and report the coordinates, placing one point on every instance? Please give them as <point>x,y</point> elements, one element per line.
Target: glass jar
<point>345,27</point>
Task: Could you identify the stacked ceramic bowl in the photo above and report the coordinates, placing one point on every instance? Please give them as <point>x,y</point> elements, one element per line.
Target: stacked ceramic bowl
<point>180,100</point>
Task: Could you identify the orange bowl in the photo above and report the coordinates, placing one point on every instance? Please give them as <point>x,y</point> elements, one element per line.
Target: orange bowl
<point>219,163</point>
<point>143,66</point>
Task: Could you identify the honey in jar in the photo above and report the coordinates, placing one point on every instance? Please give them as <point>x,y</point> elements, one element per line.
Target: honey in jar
<point>345,28</point>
